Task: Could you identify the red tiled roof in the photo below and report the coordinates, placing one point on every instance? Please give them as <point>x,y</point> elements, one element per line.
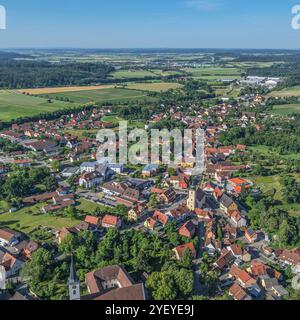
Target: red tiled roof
<point>160,216</point>
<point>92,220</point>
<point>242,276</point>
<point>180,249</point>
<point>110,220</point>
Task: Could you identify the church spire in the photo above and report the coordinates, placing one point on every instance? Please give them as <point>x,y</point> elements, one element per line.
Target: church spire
<point>73,276</point>
<point>73,282</point>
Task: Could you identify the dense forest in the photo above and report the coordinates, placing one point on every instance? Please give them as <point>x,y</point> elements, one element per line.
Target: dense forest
<point>16,74</point>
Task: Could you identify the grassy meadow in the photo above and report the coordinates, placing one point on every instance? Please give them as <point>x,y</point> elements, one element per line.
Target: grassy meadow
<point>286,109</point>
<point>98,96</point>
<point>287,92</point>
<point>15,105</point>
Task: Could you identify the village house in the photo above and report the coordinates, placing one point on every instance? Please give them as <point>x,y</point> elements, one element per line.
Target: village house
<point>180,213</point>
<point>291,258</point>
<point>90,180</point>
<point>188,230</point>
<point>236,251</point>
<point>24,163</point>
<point>225,260</point>
<point>114,188</point>
<point>237,219</point>
<point>113,283</point>
<point>204,215</point>
<point>244,280</point>
<point>227,204</point>
<point>158,219</point>
<point>94,221</point>
<point>238,293</point>
<point>110,221</point>
<point>179,182</point>
<point>9,237</point>
<point>82,226</point>
<point>30,247</point>
<point>137,212</point>
<point>180,251</point>
<point>250,235</point>
<point>11,264</point>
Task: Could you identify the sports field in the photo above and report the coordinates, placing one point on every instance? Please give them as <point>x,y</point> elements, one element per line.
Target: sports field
<point>102,95</point>
<point>15,105</point>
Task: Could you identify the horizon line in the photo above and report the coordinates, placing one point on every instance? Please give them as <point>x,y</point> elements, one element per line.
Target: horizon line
<point>145,48</point>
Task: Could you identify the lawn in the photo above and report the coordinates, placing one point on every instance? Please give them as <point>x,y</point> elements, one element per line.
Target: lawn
<point>15,105</point>
<point>155,86</point>
<point>87,206</point>
<point>286,109</point>
<point>102,95</point>
<point>288,92</point>
<point>28,218</point>
<point>4,206</point>
<point>112,119</point>
<point>266,184</point>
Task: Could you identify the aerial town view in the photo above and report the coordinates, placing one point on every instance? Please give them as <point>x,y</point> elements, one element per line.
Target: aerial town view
<point>89,211</point>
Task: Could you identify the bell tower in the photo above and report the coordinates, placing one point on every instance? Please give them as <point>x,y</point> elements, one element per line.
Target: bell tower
<point>191,201</point>
<point>73,282</point>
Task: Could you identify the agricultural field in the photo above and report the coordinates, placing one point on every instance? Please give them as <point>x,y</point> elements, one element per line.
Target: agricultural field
<point>26,219</point>
<point>98,96</point>
<point>155,86</point>
<point>14,105</point>
<point>39,91</point>
<point>166,73</point>
<point>286,109</point>
<point>213,74</point>
<point>287,92</point>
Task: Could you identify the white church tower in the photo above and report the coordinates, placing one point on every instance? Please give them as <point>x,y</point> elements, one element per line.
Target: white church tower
<point>74,283</point>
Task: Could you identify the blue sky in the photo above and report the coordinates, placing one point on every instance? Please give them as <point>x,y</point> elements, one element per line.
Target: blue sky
<point>149,24</point>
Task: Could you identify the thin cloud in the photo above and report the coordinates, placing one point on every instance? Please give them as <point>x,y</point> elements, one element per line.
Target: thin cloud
<point>203,5</point>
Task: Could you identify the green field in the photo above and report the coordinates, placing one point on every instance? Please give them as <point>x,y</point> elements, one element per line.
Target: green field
<point>98,96</point>
<point>286,109</point>
<point>15,105</point>
<point>213,74</point>
<point>112,119</point>
<point>28,218</point>
<point>155,86</point>
<point>288,92</point>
